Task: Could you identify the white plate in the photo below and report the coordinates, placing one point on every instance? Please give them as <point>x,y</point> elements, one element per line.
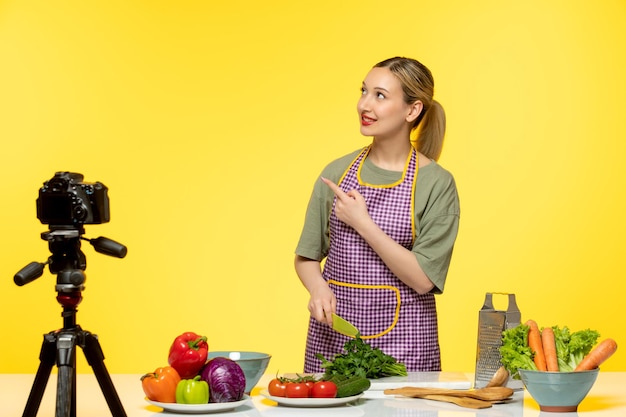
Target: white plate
<point>310,402</point>
<point>199,408</point>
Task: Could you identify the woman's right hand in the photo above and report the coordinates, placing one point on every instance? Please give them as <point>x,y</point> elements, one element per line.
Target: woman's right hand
<point>322,303</point>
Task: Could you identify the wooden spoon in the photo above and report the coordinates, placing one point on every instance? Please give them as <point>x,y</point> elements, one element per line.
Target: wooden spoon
<point>499,379</point>
<point>460,401</point>
<point>485,394</point>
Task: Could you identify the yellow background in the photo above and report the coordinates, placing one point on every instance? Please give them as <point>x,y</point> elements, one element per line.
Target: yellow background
<point>210,121</point>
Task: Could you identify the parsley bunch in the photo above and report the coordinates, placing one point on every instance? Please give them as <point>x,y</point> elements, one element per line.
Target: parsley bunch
<point>361,359</point>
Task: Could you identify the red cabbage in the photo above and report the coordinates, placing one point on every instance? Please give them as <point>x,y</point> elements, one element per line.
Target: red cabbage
<point>225,378</point>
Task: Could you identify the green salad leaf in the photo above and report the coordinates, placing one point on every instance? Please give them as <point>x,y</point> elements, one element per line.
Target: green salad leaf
<point>571,348</point>
<point>515,351</point>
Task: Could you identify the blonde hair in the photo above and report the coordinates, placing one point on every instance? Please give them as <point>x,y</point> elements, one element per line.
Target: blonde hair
<point>418,85</point>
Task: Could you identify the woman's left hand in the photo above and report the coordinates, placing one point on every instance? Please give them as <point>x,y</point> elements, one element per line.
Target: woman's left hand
<point>350,207</point>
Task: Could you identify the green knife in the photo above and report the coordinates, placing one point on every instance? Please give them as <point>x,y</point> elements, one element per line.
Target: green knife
<point>343,326</point>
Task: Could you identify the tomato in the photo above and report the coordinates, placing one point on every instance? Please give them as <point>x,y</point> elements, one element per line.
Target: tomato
<point>310,385</point>
<point>324,389</point>
<point>297,390</point>
<point>277,388</point>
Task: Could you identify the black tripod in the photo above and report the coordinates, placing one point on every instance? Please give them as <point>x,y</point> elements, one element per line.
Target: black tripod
<point>59,347</point>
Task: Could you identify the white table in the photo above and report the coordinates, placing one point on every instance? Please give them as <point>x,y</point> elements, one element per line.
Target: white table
<point>607,398</point>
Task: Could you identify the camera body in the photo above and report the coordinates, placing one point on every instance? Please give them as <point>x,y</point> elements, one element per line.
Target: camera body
<point>65,200</point>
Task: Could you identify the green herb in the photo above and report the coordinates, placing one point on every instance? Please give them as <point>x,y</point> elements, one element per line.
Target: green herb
<point>361,359</point>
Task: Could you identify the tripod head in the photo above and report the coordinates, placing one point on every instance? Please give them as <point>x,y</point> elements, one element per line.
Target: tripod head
<point>66,203</point>
<point>67,260</point>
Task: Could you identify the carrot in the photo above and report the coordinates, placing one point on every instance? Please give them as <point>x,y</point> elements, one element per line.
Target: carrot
<point>549,349</point>
<point>534,342</point>
<point>598,354</point>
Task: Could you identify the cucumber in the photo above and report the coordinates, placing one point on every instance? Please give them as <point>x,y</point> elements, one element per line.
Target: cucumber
<point>354,385</point>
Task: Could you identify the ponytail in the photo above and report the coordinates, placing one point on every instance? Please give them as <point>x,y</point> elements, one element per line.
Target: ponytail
<point>431,131</point>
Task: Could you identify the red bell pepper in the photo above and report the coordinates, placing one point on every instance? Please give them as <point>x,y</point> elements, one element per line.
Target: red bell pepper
<point>188,354</point>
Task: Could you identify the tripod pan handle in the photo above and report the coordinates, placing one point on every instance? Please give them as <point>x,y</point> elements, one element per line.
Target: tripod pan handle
<point>29,273</point>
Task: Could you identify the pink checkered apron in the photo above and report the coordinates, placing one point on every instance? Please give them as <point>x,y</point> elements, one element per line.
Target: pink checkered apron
<point>389,314</point>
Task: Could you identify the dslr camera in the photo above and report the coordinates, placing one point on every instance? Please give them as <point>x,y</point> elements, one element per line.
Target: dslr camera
<point>65,200</point>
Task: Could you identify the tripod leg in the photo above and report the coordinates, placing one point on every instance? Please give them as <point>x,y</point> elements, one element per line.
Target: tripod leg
<point>95,358</point>
<point>66,382</point>
<point>47,357</point>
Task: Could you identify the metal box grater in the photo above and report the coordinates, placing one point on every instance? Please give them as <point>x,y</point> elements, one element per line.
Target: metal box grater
<point>491,324</point>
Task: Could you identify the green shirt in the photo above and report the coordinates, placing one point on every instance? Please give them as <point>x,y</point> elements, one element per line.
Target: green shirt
<point>436,214</point>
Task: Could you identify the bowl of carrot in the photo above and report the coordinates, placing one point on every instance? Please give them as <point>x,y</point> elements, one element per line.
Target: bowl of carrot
<point>558,391</point>
<point>557,366</point>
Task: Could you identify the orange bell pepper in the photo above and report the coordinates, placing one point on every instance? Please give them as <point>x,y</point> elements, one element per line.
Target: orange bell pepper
<point>160,385</point>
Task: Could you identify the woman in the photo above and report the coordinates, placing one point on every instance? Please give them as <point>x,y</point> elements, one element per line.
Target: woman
<point>385,219</point>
